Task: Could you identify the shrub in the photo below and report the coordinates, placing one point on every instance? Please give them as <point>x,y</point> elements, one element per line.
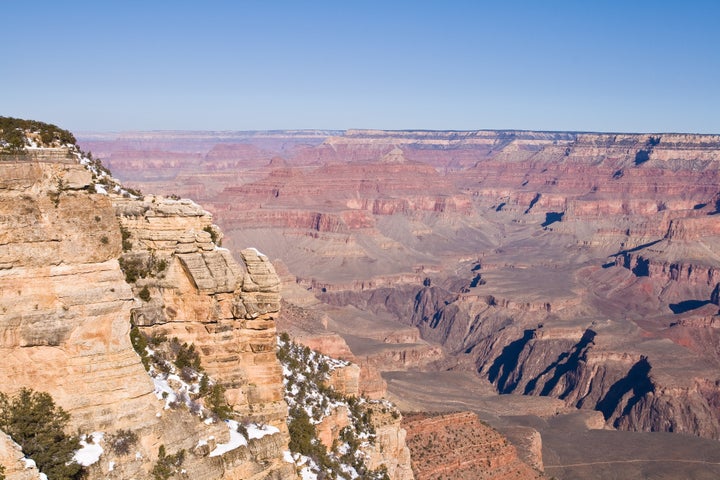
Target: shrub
<point>157,338</point>
<point>167,465</point>
<point>138,265</point>
<point>213,235</point>
<point>131,267</point>
<point>217,404</point>
<point>303,436</point>
<point>134,191</point>
<point>185,355</point>
<point>139,342</point>
<point>14,130</point>
<point>121,441</point>
<point>34,421</point>
<point>188,375</point>
<point>126,243</point>
<point>242,429</point>
<point>161,265</point>
<point>204,386</point>
<point>144,294</point>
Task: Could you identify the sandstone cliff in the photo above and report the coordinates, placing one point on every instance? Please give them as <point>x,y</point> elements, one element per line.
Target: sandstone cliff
<point>66,309</point>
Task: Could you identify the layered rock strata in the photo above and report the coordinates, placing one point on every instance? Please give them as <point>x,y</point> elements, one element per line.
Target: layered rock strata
<point>204,297</point>
<point>459,446</point>
<point>65,312</point>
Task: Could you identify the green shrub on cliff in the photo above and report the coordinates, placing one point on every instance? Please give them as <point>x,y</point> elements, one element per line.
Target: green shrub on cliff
<point>214,236</point>
<point>167,465</point>
<point>144,294</point>
<point>310,399</point>
<point>121,441</point>
<point>38,425</point>
<point>217,404</point>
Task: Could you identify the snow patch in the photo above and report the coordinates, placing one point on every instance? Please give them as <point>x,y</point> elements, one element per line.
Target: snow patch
<point>89,452</point>
<point>257,252</point>
<point>255,431</point>
<point>236,440</point>
<point>307,474</point>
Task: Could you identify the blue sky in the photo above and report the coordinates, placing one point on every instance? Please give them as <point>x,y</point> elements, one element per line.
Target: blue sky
<point>623,66</point>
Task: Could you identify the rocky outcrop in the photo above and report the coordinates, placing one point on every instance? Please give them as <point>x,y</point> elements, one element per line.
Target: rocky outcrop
<point>66,309</point>
<point>17,467</point>
<point>203,297</point>
<point>72,341</point>
<point>459,446</point>
<point>389,448</point>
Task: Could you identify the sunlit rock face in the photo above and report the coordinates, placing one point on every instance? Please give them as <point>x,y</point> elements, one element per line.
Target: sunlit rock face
<point>66,311</point>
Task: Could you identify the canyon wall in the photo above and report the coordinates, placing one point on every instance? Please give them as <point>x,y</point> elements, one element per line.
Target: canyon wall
<point>66,314</point>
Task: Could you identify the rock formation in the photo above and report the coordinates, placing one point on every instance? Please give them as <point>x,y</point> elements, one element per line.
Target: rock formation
<point>459,446</point>
<point>65,311</point>
<point>204,297</point>
<point>17,467</point>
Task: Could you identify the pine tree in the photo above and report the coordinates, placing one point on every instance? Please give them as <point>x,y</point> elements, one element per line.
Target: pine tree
<point>38,425</point>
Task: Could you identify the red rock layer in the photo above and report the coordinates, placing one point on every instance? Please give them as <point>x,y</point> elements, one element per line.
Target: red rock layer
<point>459,446</point>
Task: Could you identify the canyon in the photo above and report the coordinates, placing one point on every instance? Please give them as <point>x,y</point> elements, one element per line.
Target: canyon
<point>569,279</point>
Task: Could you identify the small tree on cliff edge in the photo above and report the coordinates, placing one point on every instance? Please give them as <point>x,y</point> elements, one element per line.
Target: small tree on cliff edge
<point>34,421</point>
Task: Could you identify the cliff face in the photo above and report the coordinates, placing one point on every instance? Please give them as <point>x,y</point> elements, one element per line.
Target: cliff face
<point>225,308</point>
<point>65,311</point>
<point>74,342</point>
<point>204,297</point>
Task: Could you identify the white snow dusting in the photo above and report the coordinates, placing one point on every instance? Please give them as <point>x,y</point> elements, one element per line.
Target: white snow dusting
<point>255,431</point>
<point>89,452</point>
<point>257,252</point>
<point>236,440</point>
